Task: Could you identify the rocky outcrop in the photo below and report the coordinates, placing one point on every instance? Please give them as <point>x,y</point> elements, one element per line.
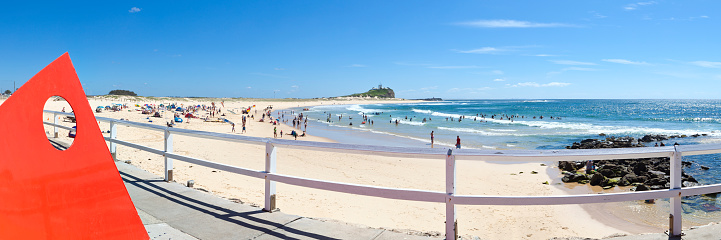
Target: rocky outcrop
<point>611,142</point>
<point>650,173</point>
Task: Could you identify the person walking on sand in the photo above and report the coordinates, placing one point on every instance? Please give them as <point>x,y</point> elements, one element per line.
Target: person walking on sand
<point>233,125</point>
<point>458,142</point>
<point>431,139</point>
<point>275,132</point>
<point>243,131</point>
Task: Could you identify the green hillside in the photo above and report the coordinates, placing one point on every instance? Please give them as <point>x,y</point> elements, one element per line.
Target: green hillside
<point>375,92</point>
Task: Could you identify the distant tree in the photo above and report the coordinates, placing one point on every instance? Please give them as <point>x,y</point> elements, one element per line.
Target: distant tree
<point>122,92</point>
<point>8,91</point>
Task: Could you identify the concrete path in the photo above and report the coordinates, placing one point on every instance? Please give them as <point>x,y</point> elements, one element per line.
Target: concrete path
<point>173,211</point>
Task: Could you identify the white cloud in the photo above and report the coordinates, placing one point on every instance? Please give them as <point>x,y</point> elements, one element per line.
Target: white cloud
<point>134,10</point>
<point>534,84</point>
<point>356,65</point>
<point>634,6</point>
<point>597,15</point>
<point>499,80</point>
<point>569,62</point>
<point>624,61</point>
<point>503,23</point>
<point>497,72</point>
<point>707,64</point>
<point>248,87</point>
<point>294,86</point>
<point>484,50</point>
<point>544,55</point>
<point>279,69</point>
<point>453,67</point>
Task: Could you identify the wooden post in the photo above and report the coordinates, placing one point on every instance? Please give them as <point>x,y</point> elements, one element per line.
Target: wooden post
<point>55,128</point>
<point>270,156</point>
<point>113,135</point>
<point>675,221</point>
<point>168,161</point>
<point>451,223</point>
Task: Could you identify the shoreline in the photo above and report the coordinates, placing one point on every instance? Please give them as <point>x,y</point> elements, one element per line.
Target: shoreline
<point>520,221</point>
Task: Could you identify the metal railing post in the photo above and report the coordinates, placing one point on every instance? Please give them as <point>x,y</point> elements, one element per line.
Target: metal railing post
<point>451,223</point>
<point>270,156</point>
<point>675,217</point>
<point>55,128</point>
<point>113,135</point>
<point>168,161</point>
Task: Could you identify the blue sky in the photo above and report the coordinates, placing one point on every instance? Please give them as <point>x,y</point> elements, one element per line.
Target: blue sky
<point>306,49</point>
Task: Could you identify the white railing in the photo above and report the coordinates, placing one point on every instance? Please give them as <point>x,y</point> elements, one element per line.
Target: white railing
<point>449,197</point>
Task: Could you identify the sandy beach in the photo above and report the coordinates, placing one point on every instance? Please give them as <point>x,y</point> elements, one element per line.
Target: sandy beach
<point>477,178</point>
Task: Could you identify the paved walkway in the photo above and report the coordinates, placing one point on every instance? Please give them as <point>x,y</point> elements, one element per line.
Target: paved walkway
<point>173,211</point>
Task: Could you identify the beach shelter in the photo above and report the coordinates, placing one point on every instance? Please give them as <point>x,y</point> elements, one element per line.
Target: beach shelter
<point>50,193</point>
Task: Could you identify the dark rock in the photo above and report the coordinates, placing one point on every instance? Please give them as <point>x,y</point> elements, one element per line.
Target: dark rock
<point>633,178</point>
<point>567,166</point>
<point>705,168</point>
<point>690,179</point>
<point>640,188</point>
<point>572,177</point>
<point>656,181</point>
<point>609,182</point>
<point>606,172</point>
<point>623,182</point>
<point>596,179</point>
<point>640,169</point>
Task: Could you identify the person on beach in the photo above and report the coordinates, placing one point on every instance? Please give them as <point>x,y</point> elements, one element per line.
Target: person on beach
<point>431,139</point>
<point>281,133</point>
<point>243,131</point>
<point>233,125</point>
<point>590,167</point>
<point>275,132</point>
<point>458,142</point>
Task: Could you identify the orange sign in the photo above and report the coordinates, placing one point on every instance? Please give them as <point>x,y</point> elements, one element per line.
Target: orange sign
<point>46,193</point>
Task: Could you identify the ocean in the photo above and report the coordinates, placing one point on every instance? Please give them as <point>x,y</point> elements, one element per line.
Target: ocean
<point>530,124</point>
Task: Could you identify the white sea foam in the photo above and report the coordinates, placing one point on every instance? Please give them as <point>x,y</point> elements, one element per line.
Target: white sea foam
<point>360,109</point>
<point>478,131</point>
<point>404,121</point>
<point>583,128</point>
<point>422,111</point>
